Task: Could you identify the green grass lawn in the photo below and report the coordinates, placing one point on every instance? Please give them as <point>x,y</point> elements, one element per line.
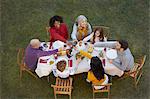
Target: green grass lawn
<point>22,20</point>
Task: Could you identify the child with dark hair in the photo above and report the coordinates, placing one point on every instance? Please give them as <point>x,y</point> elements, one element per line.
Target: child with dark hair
<point>96,73</point>
<point>96,36</point>
<point>58,30</point>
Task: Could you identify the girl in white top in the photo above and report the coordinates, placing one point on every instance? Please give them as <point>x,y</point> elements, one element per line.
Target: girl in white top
<point>81,28</point>
<point>96,36</point>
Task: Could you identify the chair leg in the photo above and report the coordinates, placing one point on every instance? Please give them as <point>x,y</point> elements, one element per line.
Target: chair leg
<point>20,75</point>
<point>124,76</point>
<point>70,96</point>
<point>139,77</point>
<point>135,85</point>
<point>48,78</point>
<point>55,96</point>
<point>108,94</point>
<point>93,95</point>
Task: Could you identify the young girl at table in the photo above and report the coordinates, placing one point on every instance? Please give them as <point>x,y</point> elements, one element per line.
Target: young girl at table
<point>96,73</point>
<point>96,36</point>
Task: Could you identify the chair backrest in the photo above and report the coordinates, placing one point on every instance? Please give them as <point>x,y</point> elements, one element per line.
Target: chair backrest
<point>141,61</point>
<point>106,30</point>
<point>106,88</point>
<point>63,86</point>
<point>20,58</point>
<point>138,66</point>
<point>134,70</point>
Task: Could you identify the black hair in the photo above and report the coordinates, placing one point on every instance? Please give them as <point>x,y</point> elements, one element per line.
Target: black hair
<point>97,68</point>
<point>55,18</point>
<point>123,43</point>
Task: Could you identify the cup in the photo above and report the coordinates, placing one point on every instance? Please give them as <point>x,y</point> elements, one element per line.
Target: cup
<point>55,56</point>
<point>104,62</point>
<point>70,63</point>
<point>43,61</point>
<point>65,45</point>
<point>105,49</point>
<point>51,45</point>
<point>85,43</point>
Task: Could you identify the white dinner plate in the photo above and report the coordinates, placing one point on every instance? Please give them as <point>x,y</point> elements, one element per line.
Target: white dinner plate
<point>62,58</point>
<point>111,54</point>
<point>58,44</point>
<point>82,47</point>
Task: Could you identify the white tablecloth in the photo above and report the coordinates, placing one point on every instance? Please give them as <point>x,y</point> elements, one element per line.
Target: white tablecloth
<point>44,69</point>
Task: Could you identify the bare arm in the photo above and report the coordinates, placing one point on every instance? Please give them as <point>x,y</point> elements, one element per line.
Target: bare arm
<point>88,37</point>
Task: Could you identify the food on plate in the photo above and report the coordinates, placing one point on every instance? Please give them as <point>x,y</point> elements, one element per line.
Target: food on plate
<point>51,62</point>
<point>90,48</point>
<point>61,53</point>
<point>101,54</point>
<point>80,43</point>
<point>78,55</point>
<point>61,65</point>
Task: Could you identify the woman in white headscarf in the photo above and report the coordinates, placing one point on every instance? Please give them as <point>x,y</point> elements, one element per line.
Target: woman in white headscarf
<point>81,28</point>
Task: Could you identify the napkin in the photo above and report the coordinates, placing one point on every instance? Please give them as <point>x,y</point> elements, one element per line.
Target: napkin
<point>43,61</point>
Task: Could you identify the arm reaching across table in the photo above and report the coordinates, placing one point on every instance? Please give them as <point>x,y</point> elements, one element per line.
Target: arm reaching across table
<point>85,54</point>
<point>110,44</point>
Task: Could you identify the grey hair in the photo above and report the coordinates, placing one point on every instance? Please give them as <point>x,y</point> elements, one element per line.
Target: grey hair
<point>34,42</point>
<point>81,17</point>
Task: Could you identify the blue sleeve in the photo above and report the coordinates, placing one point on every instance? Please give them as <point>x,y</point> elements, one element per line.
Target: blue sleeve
<point>110,44</point>
<point>123,63</point>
